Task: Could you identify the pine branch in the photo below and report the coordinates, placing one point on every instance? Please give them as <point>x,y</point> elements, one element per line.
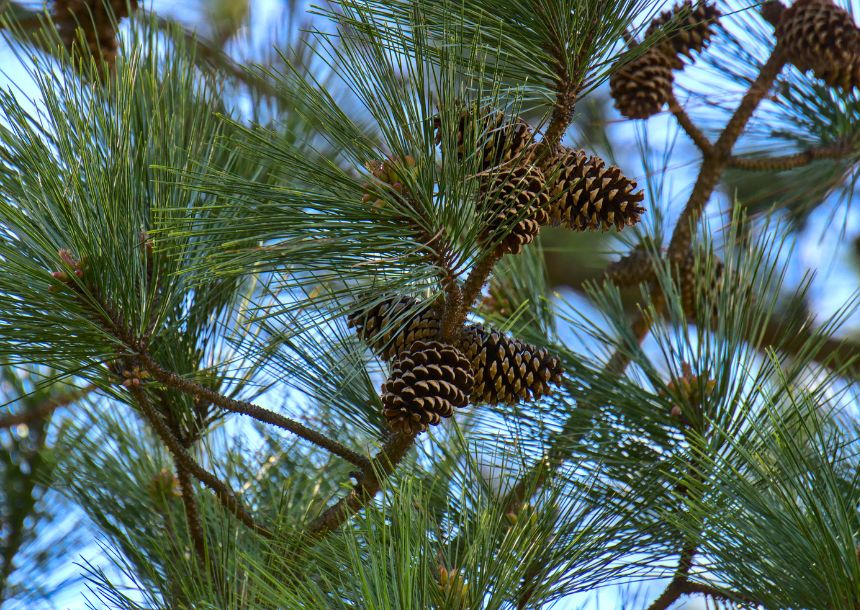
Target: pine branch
<point>382,465</point>
<point>192,512</point>
<point>46,408</point>
<point>475,282</point>
<point>242,407</point>
<point>717,159</point>
<point>687,124</point>
<point>787,162</point>
<point>679,587</point>
<point>184,461</point>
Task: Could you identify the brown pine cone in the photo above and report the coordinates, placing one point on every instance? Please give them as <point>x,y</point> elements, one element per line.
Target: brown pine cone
<point>497,140</point>
<point>689,285</point>
<point>641,87</point>
<point>587,195</point>
<point>632,268</point>
<point>819,36</point>
<point>94,19</point>
<point>516,201</point>
<point>426,382</point>
<point>688,29</point>
<point>507,370</point>
<point>388,327</point>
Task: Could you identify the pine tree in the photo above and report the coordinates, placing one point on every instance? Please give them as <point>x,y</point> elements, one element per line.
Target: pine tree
<point>286,335</point>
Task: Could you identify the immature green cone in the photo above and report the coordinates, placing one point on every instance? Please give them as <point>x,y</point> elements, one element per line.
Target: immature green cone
<point>688,30</point>
<point>689,287</point>
<point>516,200</point>
<point>497,139</point>
<point>427,381</point>
<point>641,87</point>
<point>587,195</point>
<point>93,19</point>
<point>388,329</point>
<point>507,370</point>
<point>819,36</point>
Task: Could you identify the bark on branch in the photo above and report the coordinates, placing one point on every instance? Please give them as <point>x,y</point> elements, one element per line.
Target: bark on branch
<point>173,380</point>
<point>185,462</point>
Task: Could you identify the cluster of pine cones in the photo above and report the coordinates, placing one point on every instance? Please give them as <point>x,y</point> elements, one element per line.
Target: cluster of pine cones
<point>430,377</point>
<point>521,189</point>
<point>518,195</point>
<point>96,20</point>
<point>818,36</point>
<point>641,87</point>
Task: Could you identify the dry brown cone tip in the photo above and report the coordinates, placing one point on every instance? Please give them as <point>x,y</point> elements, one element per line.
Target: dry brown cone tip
<point>507,370</point>
<point>641,87</point>
<point>819,36</point>
<point>497,139</point>
<point>688,30</point>
<point>517,201</point>
<point>587,195</point>
<point>427,381</point>
<point>94,19</point>
<point>395,323</point>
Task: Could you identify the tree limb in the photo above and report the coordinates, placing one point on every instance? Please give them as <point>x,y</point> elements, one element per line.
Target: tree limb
<point>382,465</point>
<point>786,162</point>
<point>46,408</point>
<point>192,513</point>
<point>184,461</point>
<point>173,380</point>
<point>716,160</point>
<point>687,124</point>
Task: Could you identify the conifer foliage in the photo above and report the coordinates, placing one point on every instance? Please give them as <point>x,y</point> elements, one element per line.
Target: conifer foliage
<point>289,336</point>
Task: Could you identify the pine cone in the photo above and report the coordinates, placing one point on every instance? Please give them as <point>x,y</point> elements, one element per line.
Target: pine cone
<point>688,285</point>
<point>688,30</point>
<point>94,19</point>
<point>427,381</point>
<point>496,139</point>
<point>819,36</point>
<point>641,87</point>
<point>507,370</point>
<point>589,196</point>
<point>632,268</point>
<point>388,329</point>
<point>517,201</point>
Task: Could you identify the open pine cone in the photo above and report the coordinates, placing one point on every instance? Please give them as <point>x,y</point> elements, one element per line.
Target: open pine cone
<point>516,200</point>
<point>688,30</point>
<point>94,20</point>
<point>587,195</point>
<point>507,370</point>
<point>427,381</point>
<point>641,87</point>
<point>388,328</point>
<point>819,36</point>
<point>497,139</point>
